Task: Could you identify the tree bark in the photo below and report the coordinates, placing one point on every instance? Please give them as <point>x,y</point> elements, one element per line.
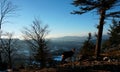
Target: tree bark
<point>0,46</point>
<point>0,57</point>
<point>10,61</point>
<point>100,31</point>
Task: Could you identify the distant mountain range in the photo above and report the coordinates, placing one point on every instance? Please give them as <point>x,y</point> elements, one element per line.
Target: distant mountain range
<point>60,44</point>
<point>68,42</point>
<point>76,38</point>
<point>69,38</point>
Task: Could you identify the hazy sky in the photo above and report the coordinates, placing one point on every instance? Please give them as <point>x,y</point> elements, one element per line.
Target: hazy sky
<point>55,13</point>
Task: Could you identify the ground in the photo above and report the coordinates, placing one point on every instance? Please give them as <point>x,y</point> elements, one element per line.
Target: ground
<point>86,66</point>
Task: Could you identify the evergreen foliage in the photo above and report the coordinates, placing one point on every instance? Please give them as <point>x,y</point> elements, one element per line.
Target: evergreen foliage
<point>114,36</point>
<point>114,33</point>
<point>103,8</point>
<point>88,47</point>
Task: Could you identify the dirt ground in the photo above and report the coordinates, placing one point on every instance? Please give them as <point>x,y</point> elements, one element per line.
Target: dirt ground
<point>81,67</point>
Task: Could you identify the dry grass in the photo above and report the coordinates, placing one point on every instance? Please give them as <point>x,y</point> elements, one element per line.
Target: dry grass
<point>42,70</point>
<point>81,67</point>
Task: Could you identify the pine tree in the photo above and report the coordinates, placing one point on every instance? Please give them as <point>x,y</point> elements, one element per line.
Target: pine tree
<point>114,36</point>
<point>114,33</point>
<point>88,47</point>
<point>103,8</point>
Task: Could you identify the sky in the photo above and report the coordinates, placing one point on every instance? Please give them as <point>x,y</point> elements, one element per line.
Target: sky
<point>54,13</point>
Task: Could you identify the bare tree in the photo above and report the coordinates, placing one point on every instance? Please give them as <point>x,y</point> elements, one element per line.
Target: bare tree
<point>35,38</point>
<point>7,9</point>
<point>9,47</point>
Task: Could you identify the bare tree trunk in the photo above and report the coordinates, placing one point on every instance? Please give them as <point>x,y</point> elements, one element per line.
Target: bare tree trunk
<point>0,57</point>
<point>99,37</point>
<point>10,61</point>
<point>0,46</point>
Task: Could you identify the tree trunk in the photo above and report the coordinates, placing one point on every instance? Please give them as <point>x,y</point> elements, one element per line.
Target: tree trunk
<point>0,26</point>
<point>0,57</point>
<point>10,61</point>
<point>100,31</point>
<point>43,61</point>
<point>0,45</point>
